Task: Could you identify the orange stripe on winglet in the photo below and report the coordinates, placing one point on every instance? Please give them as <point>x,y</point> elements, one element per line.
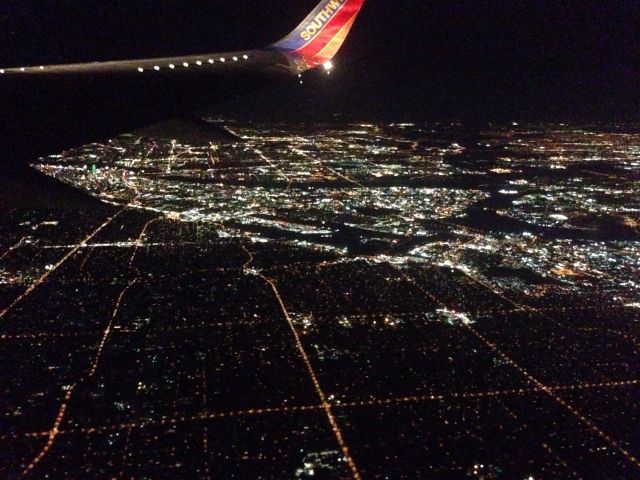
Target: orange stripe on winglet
<point>331,49</point>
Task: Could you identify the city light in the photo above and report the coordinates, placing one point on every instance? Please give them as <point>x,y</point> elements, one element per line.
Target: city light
<point>357,280</point>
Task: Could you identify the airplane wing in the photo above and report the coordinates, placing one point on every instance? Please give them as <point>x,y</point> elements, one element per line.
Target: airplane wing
<point>46,109</point>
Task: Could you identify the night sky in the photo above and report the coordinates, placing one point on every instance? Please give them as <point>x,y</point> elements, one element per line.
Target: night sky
<point>405,60</point>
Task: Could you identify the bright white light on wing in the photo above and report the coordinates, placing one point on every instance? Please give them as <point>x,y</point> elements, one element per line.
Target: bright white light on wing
<point>140,69</point>
<point>22,69</point>
<point>328,66</point>
<point>235,59</point>
<point>222,59</point>
<point>1,70</point>
<point>172,66</point>
<point>185,64</point>
<point>199,63</point>
<point>211,60</point>
<point>246,57</point>
<point>156,68</point>
<point>41,67</point>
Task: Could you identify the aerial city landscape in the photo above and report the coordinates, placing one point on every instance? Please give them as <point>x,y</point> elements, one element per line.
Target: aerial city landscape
<point>339,301</point>
<point>412,255</point>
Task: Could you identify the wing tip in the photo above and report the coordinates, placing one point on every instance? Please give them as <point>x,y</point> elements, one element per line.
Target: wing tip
<point>322,33</point>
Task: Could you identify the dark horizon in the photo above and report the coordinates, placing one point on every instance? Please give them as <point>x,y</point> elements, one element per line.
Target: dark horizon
<point>518,60</point>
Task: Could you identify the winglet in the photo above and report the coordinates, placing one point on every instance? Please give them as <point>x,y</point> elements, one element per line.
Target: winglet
<point>319,37</point>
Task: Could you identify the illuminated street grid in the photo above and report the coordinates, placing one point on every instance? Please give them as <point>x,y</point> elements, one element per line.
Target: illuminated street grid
<point>351,301</point>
